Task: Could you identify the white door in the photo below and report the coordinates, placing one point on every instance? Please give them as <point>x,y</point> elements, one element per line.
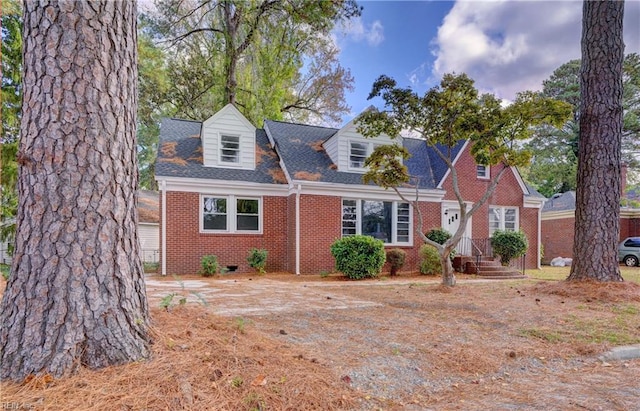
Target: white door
<point>451,220</point>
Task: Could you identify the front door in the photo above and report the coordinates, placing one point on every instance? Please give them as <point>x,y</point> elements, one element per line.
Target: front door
<point>451,220</point>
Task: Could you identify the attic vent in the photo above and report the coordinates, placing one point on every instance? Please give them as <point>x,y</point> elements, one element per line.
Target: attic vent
<point>556,195</point>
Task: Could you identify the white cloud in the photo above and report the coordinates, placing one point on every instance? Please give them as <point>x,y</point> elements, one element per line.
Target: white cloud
<point>511,46</point>
<point>356,30</point>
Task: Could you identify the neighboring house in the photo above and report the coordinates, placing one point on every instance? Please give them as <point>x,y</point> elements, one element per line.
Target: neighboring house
<point>558,225</point>
<point>149,225</point>
<point>293,189</point>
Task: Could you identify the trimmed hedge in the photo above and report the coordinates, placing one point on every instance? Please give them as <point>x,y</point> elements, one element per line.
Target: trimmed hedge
<point>359,256</point>
<point>396,258</point>
<point>429,260</point>
<point>509,245</point>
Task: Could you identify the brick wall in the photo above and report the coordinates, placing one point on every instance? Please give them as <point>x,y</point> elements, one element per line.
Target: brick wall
<point>557,238</point>
<point>557,235</point>
<point>186,245</point>
<point>508,193</point>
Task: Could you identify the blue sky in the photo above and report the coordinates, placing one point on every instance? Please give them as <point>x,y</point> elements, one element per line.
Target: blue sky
<point>505,46</point>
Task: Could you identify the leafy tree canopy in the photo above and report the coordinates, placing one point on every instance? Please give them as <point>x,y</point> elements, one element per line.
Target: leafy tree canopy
<point>11,103</point>
<point>554,168</point>
<point>445,115</point>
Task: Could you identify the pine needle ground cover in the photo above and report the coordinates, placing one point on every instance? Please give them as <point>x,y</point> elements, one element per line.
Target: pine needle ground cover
<point>390,343</point>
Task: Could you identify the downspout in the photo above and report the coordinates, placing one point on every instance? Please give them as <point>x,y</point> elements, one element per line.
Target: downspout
<point>539,236</point>
<point>164,227</point>
<point>299,188</point>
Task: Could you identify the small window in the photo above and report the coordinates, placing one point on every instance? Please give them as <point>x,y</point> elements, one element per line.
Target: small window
<point>229,149</point>
<point>503,218</point>
<point>214,215</point>
<point>358,154</point>
<point>482,171</point>
<point>247,215</point>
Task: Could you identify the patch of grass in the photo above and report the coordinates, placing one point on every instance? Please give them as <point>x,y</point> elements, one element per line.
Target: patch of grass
<point>626,309</point>
<point>241,324</point>
<point>150,267</point>
<point>619,331</point>
<point>631,274</point>
<point>5,270</point>
<point>237,382</point>
<point>551,336</point>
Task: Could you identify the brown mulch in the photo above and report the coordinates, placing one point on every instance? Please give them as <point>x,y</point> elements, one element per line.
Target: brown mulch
<point>501,345</point>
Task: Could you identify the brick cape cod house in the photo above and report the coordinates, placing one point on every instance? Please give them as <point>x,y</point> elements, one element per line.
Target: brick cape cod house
<point>293,189</point>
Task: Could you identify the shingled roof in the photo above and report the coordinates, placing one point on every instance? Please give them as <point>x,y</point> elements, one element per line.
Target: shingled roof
<point>299,146</point>
<point>561,202</point>
<point>180,155</point>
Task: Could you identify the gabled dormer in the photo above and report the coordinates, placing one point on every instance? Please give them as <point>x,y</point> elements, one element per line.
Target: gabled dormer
<point>229,140</point>
<point>348,149</point>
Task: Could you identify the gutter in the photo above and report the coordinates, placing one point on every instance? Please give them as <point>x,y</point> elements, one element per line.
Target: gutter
<point>298,190</point>
<point>163,185</point>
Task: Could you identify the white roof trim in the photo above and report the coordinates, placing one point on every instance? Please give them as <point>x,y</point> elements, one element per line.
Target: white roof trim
<point>366,191</point>
<point>200,185</point>
<point>455,160</point>
<point>520,181</point>
<point>533,202</point>
<point>556,215</point>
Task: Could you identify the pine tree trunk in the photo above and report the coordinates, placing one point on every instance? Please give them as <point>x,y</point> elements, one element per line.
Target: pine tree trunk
<point>76,296</point>
<point>597,227</point>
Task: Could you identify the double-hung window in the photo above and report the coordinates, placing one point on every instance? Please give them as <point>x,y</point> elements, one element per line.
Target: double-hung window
<point>231,214</point>
<point>229,149</point>
<point>389,221</point>
<point>503,218</point>
<point>482,171</point>
<point>358,153</point>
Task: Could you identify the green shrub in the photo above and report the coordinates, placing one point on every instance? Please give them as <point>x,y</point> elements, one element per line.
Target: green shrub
<point>509,245</point>
<point>5,269</point>
<point>396,259</point>
<point>438,235</point>
<point>209,265</point>
<point>359,256</point>
<point>429,260</point>
<point>258,259</point>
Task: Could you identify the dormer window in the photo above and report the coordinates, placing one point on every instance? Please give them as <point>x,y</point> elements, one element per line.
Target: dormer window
<point>482,171</point>
<point>358,153</point>
<point>229,149</point>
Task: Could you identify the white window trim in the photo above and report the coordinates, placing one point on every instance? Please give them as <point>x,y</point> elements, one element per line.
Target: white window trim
<point>502,217</point>
<point>370,147</point>
<point>231,214</point>
<point>230,163</point>
<point>394,218</point>
<point>487,172</point>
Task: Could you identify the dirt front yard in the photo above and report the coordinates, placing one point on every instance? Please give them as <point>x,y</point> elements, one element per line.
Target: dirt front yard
<point>279,342</point>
